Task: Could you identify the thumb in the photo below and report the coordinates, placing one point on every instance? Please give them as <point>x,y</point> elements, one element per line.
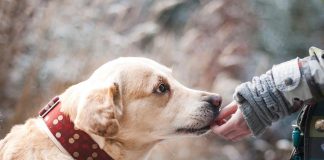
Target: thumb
<point>227,111</point>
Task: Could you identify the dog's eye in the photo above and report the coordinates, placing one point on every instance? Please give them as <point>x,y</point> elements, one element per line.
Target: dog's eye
<point>162,88</point>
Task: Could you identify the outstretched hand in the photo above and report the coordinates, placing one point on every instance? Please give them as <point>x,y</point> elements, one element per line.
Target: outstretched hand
<point>230,123</point>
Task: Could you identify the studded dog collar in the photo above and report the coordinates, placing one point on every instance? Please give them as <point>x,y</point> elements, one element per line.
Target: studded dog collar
<point>68,138</point>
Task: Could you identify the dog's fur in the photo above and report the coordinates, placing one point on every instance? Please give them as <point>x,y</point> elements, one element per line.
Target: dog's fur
<point>122,108</point>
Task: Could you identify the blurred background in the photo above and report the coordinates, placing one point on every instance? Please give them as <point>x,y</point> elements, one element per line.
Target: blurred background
<point>214,45</point>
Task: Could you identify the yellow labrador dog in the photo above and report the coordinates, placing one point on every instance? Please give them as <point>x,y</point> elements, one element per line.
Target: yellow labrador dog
<point>127,106</point>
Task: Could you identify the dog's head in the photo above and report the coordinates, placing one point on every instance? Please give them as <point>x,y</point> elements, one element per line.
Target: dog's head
<point>139,97</point>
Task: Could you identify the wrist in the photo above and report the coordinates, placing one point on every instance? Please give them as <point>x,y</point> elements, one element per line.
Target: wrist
<point>254,123</point>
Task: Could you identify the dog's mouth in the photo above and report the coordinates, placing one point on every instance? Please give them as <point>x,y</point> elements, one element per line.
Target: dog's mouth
<point>195,131</point>
<point>206,119</point>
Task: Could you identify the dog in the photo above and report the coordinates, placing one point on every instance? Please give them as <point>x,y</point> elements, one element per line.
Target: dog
<point>127,106</point>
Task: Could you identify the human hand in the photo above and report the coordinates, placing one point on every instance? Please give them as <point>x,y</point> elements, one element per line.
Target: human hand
<point>230,123</point>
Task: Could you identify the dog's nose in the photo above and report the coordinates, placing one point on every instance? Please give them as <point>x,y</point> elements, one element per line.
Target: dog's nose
<point>215,100</point>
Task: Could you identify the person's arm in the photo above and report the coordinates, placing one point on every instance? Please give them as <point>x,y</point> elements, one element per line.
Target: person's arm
<point>276,94</point>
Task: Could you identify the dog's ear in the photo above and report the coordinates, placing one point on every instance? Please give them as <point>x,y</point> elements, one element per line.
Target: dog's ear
<point>97,110</point>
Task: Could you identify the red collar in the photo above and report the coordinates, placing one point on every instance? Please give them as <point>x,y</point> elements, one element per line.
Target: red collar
<point>76,142</point>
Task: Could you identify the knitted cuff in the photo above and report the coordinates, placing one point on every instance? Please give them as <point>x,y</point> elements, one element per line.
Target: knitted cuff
<point>261,103</point>
<point>252,119</point>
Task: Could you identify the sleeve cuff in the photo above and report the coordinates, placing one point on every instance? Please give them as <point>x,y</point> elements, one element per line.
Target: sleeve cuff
<point>253,122</point>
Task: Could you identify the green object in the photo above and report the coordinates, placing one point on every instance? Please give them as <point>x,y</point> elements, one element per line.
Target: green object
<point>296,137</point>
<point>296,157</point>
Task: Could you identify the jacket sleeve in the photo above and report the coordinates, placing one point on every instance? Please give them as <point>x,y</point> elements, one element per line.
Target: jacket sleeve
<point>281,91</point>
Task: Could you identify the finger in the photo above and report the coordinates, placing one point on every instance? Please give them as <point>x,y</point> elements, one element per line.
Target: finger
<point>222,135</point>
<point>233,134</point>
<point>236,133</point>
<point>240,137</point>
<point>220,122</point>
<point>227,111</point>
<point>227,127</point>
<point>229,135</point>
<point>223,129</point>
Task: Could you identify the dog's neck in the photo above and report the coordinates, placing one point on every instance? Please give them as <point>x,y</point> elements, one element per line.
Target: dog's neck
<point>128,149</point>
<point>120,147</point>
